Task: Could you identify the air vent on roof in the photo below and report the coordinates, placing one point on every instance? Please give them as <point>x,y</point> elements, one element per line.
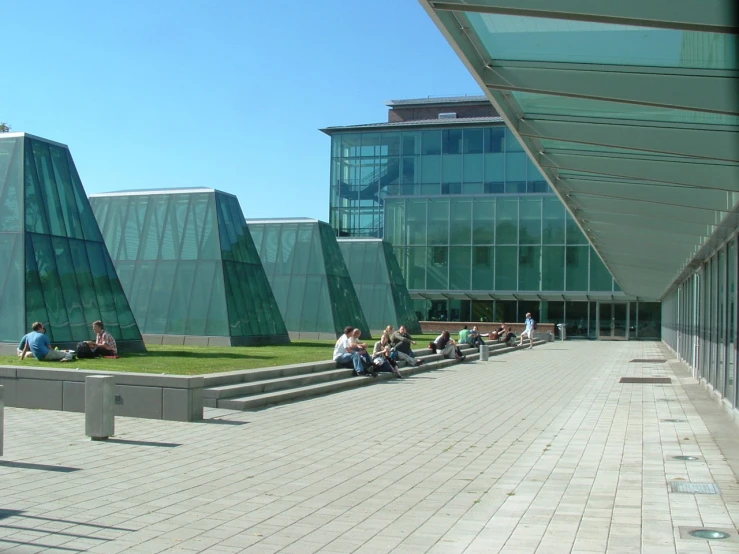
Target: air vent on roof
<point>448,115</point>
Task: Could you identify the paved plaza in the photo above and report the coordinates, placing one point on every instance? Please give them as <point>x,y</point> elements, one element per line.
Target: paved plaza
<point>535,451</point>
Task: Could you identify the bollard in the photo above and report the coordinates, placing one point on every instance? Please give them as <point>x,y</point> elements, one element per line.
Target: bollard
<point>2,406</point>
<point>99,407</point>
<point>484,352</point>
<point>550,337</point>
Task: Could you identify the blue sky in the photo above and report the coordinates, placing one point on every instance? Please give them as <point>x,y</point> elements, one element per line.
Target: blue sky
<point>227,94</point>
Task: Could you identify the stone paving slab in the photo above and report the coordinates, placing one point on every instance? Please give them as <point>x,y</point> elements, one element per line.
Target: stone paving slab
<point>540,451</point>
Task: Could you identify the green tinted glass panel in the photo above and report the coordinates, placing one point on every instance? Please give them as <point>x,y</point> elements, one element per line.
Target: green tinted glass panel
<point>483,277</point>
<point>460,267</point>
<point>437,268</point>
<point>553,221</point>
<point>461,222</point>
<point>600,277</point>
<point>483,221</point>
<point>577,268</point>
<point>529,268</point>
<point>416,221</point>
<point>11,185</point>
<point>506,268</point>
<point>574,234</point>
<point>12,325</point>
<point>431,170</point>
<point>553,268</point>
<point>438,218</point>
<point>507,221</point>
<point>529,222</point>
<point>169,247</point>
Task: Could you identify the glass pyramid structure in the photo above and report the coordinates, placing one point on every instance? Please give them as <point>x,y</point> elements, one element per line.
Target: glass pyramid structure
<point>55,266</point>
<point>379,283</point>
<point>189,267</point>
<point>308,276</point>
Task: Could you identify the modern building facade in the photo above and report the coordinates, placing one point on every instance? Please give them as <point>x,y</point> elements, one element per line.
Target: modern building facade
<point>629,110</point>
<point>379,283</point>
<point>55,266</point>
<point>475,227</point>
<point>189,267</point>
<point>310,280</point>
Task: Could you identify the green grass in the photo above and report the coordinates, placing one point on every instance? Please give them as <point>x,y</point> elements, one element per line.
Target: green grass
<point>200,360</point>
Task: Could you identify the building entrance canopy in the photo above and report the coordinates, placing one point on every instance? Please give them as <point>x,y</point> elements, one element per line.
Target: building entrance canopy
<point>630,111</point>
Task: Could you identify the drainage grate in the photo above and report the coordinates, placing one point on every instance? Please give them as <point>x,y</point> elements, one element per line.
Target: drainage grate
<point>647,360</point>
<point>693,488</point>
<point>675,420</point>
<point>645,380</point>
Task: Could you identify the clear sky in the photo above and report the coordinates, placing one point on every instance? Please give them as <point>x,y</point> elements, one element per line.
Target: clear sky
<point>227,94</point>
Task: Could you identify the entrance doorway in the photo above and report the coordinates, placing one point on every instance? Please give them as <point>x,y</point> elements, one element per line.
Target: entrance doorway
<point>613,320</point>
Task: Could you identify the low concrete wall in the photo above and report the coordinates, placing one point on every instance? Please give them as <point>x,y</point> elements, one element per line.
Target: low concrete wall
<point>430,327</point>
<point>170,397</point>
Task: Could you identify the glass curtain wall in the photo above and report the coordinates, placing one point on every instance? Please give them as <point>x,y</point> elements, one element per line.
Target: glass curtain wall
<point>699,319</point>
<point>507,243</point>
<point>367,167</point>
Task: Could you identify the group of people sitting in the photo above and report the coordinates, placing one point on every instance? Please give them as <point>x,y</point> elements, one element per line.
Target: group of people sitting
<point>504,333</point>
<point>37,344</point>
<point>392,347</point>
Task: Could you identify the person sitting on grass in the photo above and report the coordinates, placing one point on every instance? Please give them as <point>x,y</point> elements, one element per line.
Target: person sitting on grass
<point>446,346</point>
<point>384,362</point>
<point>401,343</point>
<point>21,351</point>
<point>104,344</point>
<point>38,343</point>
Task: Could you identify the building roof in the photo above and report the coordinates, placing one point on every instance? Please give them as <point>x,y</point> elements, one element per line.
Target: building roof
<point>265,220</point>
<point>147,192</point>
<point>629,111</point>
<point>22,134</point>
<point>451,122</point>
<point>407,103</point>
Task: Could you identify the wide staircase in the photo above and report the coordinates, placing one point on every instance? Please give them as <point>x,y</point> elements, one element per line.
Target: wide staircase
<point>258,388</point>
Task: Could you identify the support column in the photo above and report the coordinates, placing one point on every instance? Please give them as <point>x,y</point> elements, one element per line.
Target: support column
<point>99,407</point>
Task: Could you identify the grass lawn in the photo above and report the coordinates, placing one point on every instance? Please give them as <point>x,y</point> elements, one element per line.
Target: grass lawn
<point>200,360</point>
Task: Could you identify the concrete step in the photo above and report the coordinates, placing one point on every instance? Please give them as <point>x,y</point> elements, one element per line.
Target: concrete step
<point>253,394</point>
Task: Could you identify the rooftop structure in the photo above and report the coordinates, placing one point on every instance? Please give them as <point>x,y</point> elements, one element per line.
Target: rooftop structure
<point>56,268</point>
<point>189,267</point>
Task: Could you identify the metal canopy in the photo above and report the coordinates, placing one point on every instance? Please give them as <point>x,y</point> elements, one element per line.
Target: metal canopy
<point>629,110</point>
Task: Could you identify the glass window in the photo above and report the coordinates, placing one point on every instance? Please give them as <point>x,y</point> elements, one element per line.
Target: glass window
<point>461,221</point>
<point>451,141</point>
<point>431,142</point>
<point>495,168</point>
<point>649,320</point>
<point>459,268</point>
<point>411,142</point>
<point>416,221</point>
<point>507,221</point>
<point>515,167</point>
<point>577,319</point>
<point>574,234</point>
<point>551,312</point>
<point>483,222</point>
<point>576,268</point>
<point>506,268</point>
<point>473,141</point>
<point>529,213</point>
<point>416,275</point>
<point>495,139</point>
<point>438,227</point>
<point>553,221</point>
<point>452,168</point>
<point>390,144</point>
<point>511,142</point>
<point>431,170</point>
<point>529,268</point>
<point>437,275</point>
<point>482,310</point>
<point>600,277</point>
<point>371,145</point>
<point>506,311</point>
<point>553,268</point>
<point>483,277</point>
<point>473,168</point>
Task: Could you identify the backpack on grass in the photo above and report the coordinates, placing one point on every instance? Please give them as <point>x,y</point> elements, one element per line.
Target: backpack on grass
<point>83,350</point>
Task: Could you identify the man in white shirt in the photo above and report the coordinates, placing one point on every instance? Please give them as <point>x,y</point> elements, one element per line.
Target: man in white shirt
<point>345,352</point>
